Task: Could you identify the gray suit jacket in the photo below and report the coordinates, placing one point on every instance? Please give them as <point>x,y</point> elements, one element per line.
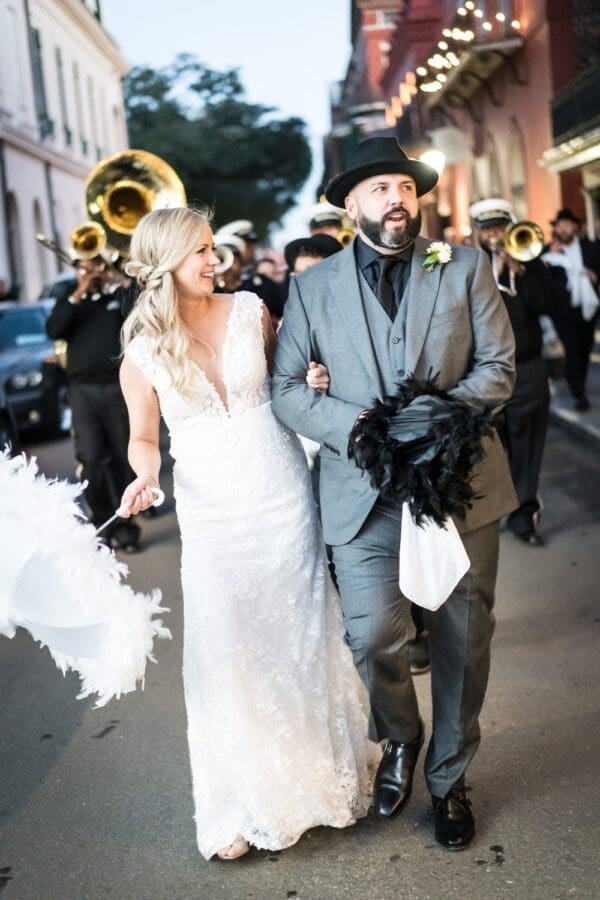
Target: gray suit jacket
<point>457,325</point>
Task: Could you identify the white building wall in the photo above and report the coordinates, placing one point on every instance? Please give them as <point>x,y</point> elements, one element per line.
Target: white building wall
<point>76,141</point>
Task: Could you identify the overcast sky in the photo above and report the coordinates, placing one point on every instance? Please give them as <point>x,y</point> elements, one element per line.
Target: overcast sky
<point>288,54</point>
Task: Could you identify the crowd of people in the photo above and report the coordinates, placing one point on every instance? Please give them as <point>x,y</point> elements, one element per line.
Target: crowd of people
<point>196,332</point>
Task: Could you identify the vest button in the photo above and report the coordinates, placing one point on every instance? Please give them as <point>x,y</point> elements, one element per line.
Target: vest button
<point>395,340</point>
<point>401,372</point>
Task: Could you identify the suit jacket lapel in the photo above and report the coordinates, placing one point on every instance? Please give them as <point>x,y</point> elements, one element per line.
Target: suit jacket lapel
<point>347,295</point>
<point>422,293</point>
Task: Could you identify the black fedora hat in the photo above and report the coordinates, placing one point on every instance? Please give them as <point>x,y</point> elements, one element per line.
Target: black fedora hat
<point>322,245</point>
<point>380,156</point>
<point>566,215</point>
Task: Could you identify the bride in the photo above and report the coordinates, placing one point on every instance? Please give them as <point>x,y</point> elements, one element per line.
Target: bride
<point>276,730</point>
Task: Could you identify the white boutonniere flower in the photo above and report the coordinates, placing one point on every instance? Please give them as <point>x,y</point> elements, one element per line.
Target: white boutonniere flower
<point>437,254</point>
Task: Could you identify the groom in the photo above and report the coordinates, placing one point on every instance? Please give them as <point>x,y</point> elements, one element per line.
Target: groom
<point>373,315</point>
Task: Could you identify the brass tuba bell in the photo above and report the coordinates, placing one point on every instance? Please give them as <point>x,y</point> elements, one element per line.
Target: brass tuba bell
<point>524,241</point>
<point>124,187</point>
<point>345,236</point>
<point>87,241</point>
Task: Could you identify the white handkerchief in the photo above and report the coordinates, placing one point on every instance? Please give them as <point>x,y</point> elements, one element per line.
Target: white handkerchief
<point>432,560</point>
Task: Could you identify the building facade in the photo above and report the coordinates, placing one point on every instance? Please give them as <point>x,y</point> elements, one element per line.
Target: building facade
<point>61,110</point>
<point>504,92</point>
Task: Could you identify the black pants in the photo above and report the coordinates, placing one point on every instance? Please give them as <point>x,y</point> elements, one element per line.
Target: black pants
<point>577,337</point>
<point>524,435</point>
<point>101,431</point>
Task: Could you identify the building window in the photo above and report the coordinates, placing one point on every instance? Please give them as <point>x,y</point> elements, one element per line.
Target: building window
<point>79,109</point>
<point>41,105</point>
<point>42,253</point>
<point>387,17</point>
<point>516,169</point>
<point>93,118</point>
<point>14,242</point>
<point>495,181</point>
<point>15,56</point>
<point>62,96</point>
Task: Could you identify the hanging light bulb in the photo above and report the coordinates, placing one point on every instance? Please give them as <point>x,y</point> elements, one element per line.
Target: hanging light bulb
<point>487,26</point>
<point>500,17</point>
<point>478,13</point>
<point>515,24</point>
<point>461,11</point>
<point>470,5</point>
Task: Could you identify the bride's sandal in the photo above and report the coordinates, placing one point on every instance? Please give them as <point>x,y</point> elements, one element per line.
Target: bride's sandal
<point>237,848</point>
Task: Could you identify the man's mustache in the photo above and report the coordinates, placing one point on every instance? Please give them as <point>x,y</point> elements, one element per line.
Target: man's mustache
<point>395,212</point>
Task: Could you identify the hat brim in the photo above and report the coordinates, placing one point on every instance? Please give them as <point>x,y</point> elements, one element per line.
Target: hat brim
<point>425,177</point>
<point>492,221</point>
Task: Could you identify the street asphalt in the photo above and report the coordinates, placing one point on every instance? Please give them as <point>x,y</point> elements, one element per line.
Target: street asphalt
<point>97,803</point>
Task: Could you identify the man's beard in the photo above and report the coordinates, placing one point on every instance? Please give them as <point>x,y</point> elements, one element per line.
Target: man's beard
<point>396,240</point>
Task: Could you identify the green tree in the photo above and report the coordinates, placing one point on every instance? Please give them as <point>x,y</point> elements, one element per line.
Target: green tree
<point>235,156</point>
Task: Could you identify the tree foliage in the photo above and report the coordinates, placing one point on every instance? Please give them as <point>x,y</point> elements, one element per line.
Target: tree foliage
<point>235,156</point>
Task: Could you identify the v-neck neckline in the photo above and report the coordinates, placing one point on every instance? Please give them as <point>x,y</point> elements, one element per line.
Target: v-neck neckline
<point>211,385</point>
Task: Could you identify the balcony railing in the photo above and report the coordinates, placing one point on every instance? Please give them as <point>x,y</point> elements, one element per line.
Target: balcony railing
<point>576,109</point>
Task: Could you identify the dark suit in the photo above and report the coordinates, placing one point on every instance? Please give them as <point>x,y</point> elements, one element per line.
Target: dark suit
<point>575,333</point>
<point>451,320</point>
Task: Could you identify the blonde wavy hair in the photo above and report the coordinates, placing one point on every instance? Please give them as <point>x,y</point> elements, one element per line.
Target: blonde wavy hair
<point>160,243</point>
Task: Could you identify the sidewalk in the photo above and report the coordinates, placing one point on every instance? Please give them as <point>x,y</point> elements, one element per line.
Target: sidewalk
<point>585,425</point>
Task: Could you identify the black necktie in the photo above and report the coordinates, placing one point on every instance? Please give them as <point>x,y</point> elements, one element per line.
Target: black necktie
<point>384,288</point>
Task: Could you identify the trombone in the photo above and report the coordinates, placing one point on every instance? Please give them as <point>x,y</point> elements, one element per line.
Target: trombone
<point>524,241</point>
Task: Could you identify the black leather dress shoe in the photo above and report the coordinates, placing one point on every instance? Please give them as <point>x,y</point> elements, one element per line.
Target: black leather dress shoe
<point>532,537</point>
<point>454,822</point>
<point>394,779</point>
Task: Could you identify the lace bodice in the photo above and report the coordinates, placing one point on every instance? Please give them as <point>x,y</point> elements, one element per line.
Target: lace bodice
<point>244,370</point>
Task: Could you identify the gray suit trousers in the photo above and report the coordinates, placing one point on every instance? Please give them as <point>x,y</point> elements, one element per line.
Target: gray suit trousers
<point>378,626</point>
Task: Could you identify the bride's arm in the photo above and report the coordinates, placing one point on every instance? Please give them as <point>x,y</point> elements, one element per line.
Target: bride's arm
<point>317,375</point>
<point>144,423</point>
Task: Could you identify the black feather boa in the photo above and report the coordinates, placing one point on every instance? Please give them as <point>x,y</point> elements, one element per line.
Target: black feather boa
<point>432,473</point>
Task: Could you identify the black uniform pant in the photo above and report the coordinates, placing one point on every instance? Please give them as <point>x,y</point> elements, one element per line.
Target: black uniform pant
<point>524,434</point>
<point>577,337</point>
<point>101,432</point>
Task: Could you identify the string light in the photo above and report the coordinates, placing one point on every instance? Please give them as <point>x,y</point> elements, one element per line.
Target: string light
<point>515,24</point>
<point>421,71</point>
<point>501,17</point>
<point>447,32</point>
<point>487,26</point>
<point>430,87</point>
<point>461,11</point>
<point>478,13</point>
<point>390,118</point>
<point>441,77</point>
<point>442,45</point>
<point>470,5</point>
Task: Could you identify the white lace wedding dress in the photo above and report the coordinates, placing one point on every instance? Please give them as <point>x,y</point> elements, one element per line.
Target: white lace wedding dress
<point>277,734</point>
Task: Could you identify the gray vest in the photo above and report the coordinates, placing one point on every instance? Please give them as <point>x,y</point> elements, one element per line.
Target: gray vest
<point>388,338</point>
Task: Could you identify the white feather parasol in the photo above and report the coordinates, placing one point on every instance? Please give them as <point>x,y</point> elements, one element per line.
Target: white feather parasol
<point>66,588</point>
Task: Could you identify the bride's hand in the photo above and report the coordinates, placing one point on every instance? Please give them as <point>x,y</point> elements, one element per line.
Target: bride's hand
<point>317,377</point>
<point>138,496</point>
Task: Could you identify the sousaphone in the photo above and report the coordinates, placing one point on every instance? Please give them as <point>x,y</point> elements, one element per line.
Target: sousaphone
<point>124,187</point>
